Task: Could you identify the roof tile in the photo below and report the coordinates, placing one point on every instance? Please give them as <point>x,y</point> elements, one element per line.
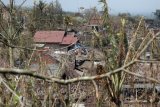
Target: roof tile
<point>49,36</point>
<point>69,40</point>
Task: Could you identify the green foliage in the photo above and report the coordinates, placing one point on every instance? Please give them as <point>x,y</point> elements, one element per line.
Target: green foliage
<point>117,47</point>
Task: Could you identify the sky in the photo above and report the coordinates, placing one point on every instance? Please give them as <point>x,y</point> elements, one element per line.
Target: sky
<point>115,6</point>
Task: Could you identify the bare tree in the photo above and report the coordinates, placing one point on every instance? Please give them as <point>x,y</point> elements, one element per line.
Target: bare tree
<point>27,87</point>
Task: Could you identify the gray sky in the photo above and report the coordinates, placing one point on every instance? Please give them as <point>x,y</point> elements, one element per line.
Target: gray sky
<point>115,6</point>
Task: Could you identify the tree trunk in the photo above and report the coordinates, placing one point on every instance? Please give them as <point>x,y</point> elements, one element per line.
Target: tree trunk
<point>11,62</point>
<point>116,105</point>
<point>116,102</point>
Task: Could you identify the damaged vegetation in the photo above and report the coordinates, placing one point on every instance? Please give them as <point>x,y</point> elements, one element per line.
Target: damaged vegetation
<point>49,59</point>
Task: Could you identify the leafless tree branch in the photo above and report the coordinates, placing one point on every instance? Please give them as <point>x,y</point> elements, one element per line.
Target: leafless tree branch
<point>148,61</point>
<point>58,80</point>
<point>138,75</point>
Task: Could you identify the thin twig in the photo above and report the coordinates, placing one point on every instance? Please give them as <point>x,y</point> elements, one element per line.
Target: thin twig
<point>132,42</point>
<point>138,75</point>
<point>148,61</point>
<point>21,4</point>
<point>96,89</point>
<point>148,43</point>
<point>13,92</point>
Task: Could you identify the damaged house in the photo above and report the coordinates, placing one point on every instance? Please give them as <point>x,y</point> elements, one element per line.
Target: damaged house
<point>54,39</point>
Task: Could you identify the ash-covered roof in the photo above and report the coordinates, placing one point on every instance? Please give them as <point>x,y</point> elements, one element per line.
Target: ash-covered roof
<point>49,36</point>
<point>53,37</point>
